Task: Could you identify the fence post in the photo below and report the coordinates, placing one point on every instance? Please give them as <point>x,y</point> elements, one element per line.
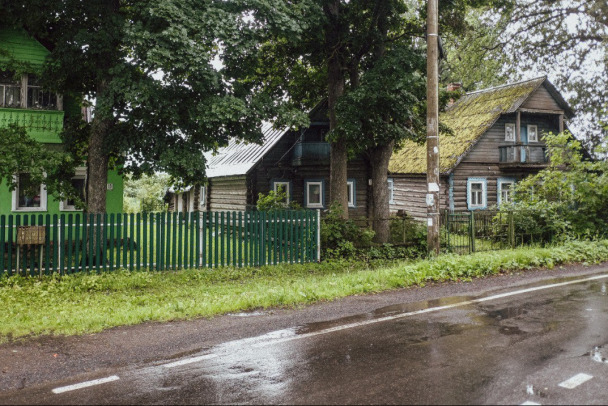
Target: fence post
<point>472,228</point>
<point>318,235</point>
<point>511,229</point>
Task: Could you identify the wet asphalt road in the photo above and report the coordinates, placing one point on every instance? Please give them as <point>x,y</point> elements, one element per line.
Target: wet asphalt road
<point>460,349</point>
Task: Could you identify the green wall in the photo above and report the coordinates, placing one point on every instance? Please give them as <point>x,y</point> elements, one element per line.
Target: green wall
<point>114,202</point>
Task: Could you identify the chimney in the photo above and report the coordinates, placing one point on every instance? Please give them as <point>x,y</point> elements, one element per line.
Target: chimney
<point>452,87</point>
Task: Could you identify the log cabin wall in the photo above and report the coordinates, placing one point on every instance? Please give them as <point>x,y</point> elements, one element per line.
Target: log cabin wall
<point>409,194</point>
<point>227,193</point>
<point>278,165</point>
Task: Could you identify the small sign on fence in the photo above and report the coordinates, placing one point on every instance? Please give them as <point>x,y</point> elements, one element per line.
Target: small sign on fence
<point>31,235</point>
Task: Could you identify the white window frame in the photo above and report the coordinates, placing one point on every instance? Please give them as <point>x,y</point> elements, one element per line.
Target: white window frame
<point>287,187</point>
<point>15,199</point>
<point>514,133</point>
<point>535,133</point>
<point>307,185</point>
<point>81,173</point>
<point>484,193</point>
<point>499,186</point>
<point>352,202</point>
<point>391,190</point>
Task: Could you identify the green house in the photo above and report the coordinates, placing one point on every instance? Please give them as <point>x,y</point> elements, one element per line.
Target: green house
<point>25,102</point>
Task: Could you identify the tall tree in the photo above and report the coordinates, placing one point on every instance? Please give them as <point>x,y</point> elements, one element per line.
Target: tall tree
<point>150,69</point>
<point>567,39</point>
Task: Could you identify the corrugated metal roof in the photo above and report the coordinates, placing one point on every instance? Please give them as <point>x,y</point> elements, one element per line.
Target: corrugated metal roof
<point>238,157</point>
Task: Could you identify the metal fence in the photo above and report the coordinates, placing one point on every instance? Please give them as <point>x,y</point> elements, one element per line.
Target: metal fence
<point>474,231</point>
<point>157,241</point>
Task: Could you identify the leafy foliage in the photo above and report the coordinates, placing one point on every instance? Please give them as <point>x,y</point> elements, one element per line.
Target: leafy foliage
<point>569,198</point>
<point>274,201</point>
<point>145,194</point>
<point>340,237</point>
<point>23,154</point>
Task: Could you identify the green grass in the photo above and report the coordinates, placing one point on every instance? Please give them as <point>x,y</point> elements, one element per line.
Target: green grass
<point>81,304</point>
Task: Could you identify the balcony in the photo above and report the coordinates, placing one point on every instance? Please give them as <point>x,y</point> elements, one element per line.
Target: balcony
<point>307,153</point>
<point>530,156</point>
<point>42,125</point>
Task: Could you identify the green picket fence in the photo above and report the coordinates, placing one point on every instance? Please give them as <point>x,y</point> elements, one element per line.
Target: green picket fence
<point>157,241</point>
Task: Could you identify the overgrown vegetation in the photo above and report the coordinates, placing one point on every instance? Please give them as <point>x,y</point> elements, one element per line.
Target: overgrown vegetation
<point>84,303</point>
<point>346,239</point>
<point>568,200</point>
<point>276,200</point>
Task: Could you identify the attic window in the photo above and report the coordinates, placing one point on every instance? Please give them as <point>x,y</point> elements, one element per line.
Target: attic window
<point>510,132</point>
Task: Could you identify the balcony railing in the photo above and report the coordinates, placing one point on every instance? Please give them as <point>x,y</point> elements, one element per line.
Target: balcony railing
<point>528,154</point>
<point>305,153</point>
<point>42,125</point>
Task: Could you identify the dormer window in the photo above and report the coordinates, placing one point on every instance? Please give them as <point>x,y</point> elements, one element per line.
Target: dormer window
<point>532,133</point>
<point>10,90</point>
<point>39,98</point>
<point>510,132</point>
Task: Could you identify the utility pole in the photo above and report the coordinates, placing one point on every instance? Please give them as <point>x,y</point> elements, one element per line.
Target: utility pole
<point>432,128</point>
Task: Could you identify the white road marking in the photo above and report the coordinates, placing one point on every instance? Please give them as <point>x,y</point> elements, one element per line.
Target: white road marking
<point>85,384</point>
<point>189,361</point>
<point>529,402</point>
<point>428,310</point>
<point>575,381</point>
<point>281,336</point>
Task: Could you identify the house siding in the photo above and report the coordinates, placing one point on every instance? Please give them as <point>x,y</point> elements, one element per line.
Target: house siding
<point>229,193</point>
<point>541,99</point>
<point>409,194</point>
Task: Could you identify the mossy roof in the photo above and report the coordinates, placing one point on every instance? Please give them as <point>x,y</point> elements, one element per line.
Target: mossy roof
<point>469,118</point>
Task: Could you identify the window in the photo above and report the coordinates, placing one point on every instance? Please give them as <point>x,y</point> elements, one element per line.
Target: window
<point>282,186</point>
<point>504,189</point>
<point>37,97</point>
<point>79,183</point>
<point>532,133</point>
<point>510,132</point>
<point>314,194</point>
<point>476,193</point>
<point>29,195</point>
<point>10,90</point>
<point>391,191</point>
<point>351,190</point>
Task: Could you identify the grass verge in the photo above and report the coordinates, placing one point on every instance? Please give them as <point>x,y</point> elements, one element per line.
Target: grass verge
<point>90,303</point>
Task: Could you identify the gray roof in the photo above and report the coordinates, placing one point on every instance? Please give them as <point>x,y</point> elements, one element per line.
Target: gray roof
<point>238,157</point>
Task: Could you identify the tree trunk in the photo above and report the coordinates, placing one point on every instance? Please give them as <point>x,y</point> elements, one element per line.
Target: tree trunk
<point>197,198</point>
<point>335,86</point>
<point>380,157</point>
<point>97,159</point>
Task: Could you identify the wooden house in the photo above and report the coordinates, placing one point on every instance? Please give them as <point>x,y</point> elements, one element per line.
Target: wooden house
<point>25,102</point>
<point>294,161</point>
<point>496,140</point>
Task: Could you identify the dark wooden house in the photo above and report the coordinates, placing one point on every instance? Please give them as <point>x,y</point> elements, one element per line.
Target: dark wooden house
<point>294,161</point>
<point>496,140</point>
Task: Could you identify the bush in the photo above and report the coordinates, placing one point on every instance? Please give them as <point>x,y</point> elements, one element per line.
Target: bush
<point>341,238</point>
<point>274,201</point>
